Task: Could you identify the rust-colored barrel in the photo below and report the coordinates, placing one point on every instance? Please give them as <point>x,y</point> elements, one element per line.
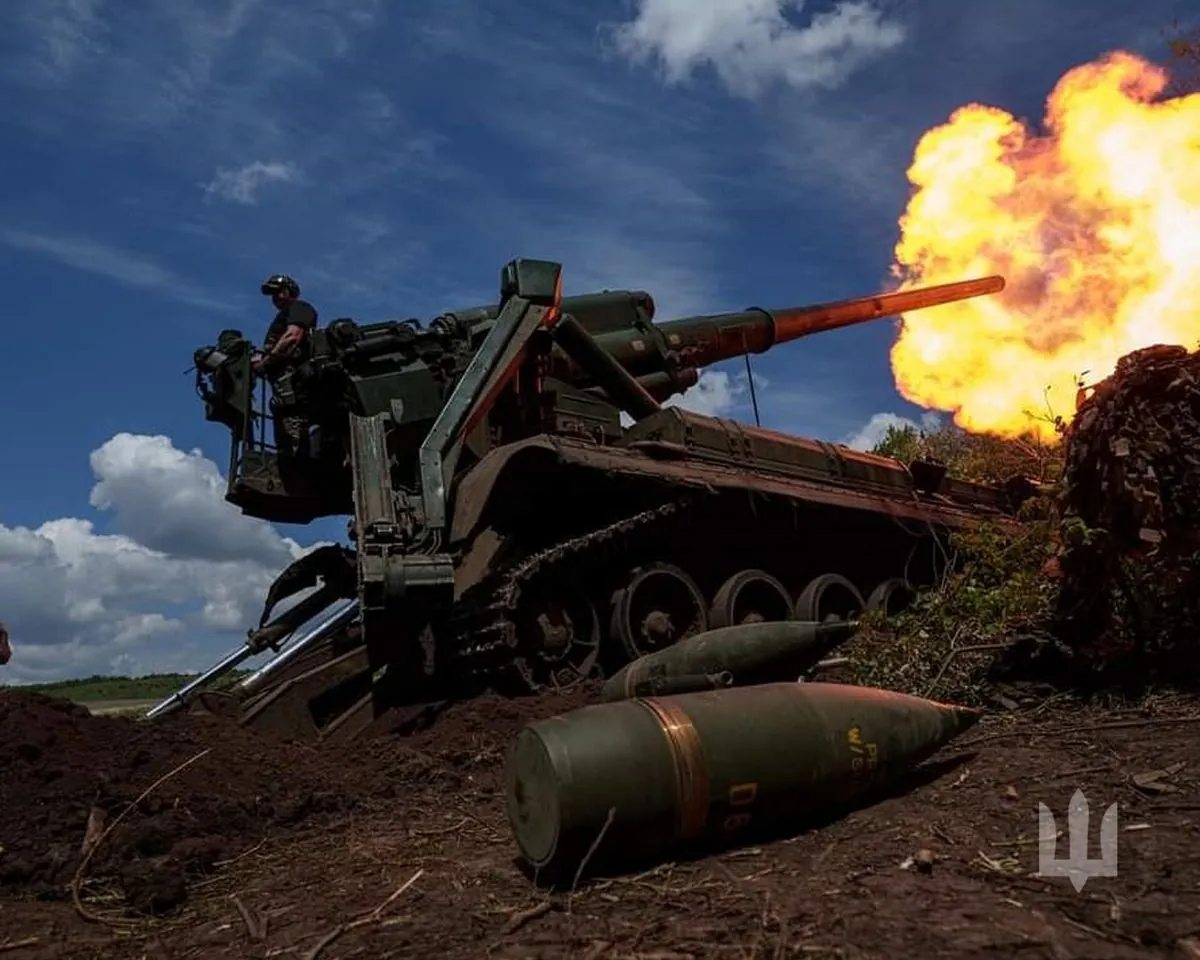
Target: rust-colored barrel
<point>708,340</point>
<point>749,652</point>
<point>706,766</point>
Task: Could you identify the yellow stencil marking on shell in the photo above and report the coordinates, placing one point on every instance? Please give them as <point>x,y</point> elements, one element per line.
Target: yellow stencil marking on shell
<point>740,795</point>
<point>864,756</point>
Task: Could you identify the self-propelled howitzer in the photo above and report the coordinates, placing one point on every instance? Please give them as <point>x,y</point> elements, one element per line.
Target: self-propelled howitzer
<point>510,527</point>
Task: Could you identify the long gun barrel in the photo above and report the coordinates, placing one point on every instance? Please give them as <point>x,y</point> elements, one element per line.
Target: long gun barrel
<point>702,341</point>
<point>666,358</point>
<point>620,323</point>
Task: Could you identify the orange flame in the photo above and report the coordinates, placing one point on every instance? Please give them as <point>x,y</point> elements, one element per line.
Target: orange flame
<point>1095,225</point>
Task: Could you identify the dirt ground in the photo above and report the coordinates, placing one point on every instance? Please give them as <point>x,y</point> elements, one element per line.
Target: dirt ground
<point>399,848</point>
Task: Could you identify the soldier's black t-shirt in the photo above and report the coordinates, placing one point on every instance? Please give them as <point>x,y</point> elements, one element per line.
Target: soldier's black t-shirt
<point>298,313</point>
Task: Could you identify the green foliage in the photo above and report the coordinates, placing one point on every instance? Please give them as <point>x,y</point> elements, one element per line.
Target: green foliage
<point>100,689</point>
<point>978,457</point>
<point>943,644</point>
<point>900,443</point>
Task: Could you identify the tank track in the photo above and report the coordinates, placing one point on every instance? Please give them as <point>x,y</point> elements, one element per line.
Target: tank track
<point>485,640</point>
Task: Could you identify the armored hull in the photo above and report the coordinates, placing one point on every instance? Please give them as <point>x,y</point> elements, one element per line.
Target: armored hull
<point>695,523</point>
<point>511,530</point>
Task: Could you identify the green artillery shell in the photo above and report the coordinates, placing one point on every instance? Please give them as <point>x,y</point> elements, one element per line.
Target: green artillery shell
<point>704,766</point>
<point>661,686</point>
<point>751,653</point>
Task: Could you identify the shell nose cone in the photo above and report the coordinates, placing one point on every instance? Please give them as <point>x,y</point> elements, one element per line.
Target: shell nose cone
<point>965,718</point>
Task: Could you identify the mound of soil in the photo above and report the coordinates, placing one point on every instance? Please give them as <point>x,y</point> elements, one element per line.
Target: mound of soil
<point>65,767</point>
<point>68,774</point>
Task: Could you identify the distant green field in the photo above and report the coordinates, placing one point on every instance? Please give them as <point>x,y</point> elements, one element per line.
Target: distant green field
<point>107,689</point>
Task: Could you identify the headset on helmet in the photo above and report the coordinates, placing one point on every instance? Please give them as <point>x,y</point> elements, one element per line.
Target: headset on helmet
<point>280,283</point>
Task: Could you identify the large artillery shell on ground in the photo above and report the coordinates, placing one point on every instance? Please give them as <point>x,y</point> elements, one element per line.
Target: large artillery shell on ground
<point>750,653</point>
<point>703,767</point>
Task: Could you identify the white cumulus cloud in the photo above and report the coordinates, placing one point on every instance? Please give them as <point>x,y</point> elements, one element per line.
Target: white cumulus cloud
<point>752,43</point>
<point>189,517</point>
<point>715,394</point>
<point>243,184</point>
<point>875,429</point>
<point>180,567</point>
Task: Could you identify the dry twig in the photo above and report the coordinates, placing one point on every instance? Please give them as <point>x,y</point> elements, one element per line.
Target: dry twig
<point>522,917</point>
<point>377,914</point>
<point>325,941</point>
<point>7,945</point>
<point>81,870</point>
<point>596,950</point>
<point>374,916</point>
<point>441,831</point>
<point>955,651</point>
<point>242,856</point>
<point>256,924</point>
<point>591,852</point>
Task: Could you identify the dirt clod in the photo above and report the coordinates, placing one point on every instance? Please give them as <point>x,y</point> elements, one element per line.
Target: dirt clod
<point>154,887</point>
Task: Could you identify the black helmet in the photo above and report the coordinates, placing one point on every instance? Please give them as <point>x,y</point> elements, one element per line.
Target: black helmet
<point>280,283</point>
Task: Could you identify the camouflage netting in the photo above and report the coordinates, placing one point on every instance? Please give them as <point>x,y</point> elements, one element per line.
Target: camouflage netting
<point>1129,561</point>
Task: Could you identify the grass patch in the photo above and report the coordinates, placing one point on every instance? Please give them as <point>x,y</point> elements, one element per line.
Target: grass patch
<point>100,689</point>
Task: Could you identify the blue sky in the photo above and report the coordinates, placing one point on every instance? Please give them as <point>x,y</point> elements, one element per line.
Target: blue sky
<point>161,158</point>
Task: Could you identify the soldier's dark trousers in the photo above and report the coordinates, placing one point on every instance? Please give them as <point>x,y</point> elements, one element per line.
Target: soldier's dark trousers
<point>291,435</point>
<point>291,429</point>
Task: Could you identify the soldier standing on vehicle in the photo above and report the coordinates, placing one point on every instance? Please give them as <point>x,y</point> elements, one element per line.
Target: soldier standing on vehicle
<point>288,343</point>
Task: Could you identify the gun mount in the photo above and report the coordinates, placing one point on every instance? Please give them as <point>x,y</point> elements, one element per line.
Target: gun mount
<point>509,530</point>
